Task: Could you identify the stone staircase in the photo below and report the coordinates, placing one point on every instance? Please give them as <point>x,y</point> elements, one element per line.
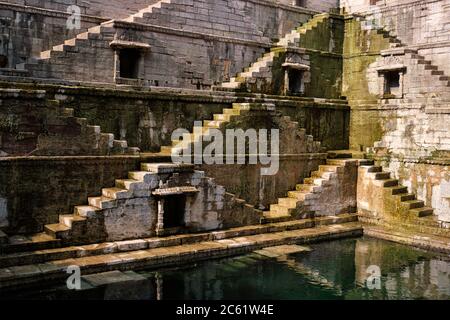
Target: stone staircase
<point>428,67</point>
<point>397,44</point>
<point>90,141</point>
<point>262,67</point>
<point>405,203</point>
<point>394,41</point>
<point>305,201</point>
<point>86,219</point>
<point>142,15</point>
<point>70,46</point>
<point>220,120</point>
<point>293,37</point>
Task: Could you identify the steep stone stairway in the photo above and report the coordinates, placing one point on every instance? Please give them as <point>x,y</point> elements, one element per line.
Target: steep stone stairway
<point>310,199</point>
<point>442,81</point>
<point>397,45</point>
<point>262,67</point>
<point>71,46</point>
<point>89,141</point>
<point>228,115</point>
<point>407,204</point>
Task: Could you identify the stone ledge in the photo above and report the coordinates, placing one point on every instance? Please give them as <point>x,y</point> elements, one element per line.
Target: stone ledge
<point>168,93</point>
<point>435,161</point>
<point>419,240</point>
<point>42,255</point>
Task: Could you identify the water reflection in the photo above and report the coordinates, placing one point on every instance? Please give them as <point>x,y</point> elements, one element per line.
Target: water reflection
<point>331,270</point>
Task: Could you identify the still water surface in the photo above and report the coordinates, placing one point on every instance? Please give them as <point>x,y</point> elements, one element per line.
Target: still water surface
<point>330,270</point>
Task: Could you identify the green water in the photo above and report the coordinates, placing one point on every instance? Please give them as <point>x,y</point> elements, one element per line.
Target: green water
<point>331,270</point>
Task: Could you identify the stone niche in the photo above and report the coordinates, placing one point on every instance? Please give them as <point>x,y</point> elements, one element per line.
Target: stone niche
<point>390,78</point>
<point>129,60</point>
<point>296,69</point>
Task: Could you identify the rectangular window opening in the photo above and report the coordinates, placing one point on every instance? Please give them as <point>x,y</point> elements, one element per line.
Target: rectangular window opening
<point>392,82</point>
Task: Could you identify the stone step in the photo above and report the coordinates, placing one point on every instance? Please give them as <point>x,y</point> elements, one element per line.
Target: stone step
<point>279,209</point>
<point>288,202</point>
<point>168,167</point>
<point>421,212</point>
<point>125,183</point>
<point>406,196</point>
<point>381,175</point>
<point>69,220</point>
<point>222,117</point>
<point>388,182</point>
<point>102,202</point>
<point>395,190</point>
<point>116,193</point>
<point>273,217</point>
<point>57,230</point>
<point>374,169</point>
<point>231,111</point>
<point>309,188</point>
<point>413,204</point>
<point>314,181</point>
<point>430,67</point>
<point>213,123</point>
<point>86,211</point>
<point>302,196</point>
<point>437,73</point>
<point>330,168</point>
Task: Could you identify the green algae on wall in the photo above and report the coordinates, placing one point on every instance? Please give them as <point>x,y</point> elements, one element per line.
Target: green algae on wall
<point>361,48</point>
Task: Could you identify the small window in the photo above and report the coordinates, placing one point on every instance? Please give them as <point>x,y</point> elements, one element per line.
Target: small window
<point>300,3</point>
<point>295,81</point>
<point>392,83</point>
<point>129,63</point>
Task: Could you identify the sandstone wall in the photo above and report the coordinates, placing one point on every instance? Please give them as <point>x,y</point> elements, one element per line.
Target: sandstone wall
<point>419,24</point>
<point>35,191</point>
<point>25,36</point>
<point>147,119</point>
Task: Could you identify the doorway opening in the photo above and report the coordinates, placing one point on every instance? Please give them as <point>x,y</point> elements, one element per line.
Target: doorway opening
<point>296,85</point>
<point>129,63</point>
<point>174,211</point>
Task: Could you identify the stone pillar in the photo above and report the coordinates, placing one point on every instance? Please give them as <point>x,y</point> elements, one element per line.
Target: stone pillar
<point>116,64</point>
<point>286,82</point>
<point>160,223</point>
<point>187,211</point>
